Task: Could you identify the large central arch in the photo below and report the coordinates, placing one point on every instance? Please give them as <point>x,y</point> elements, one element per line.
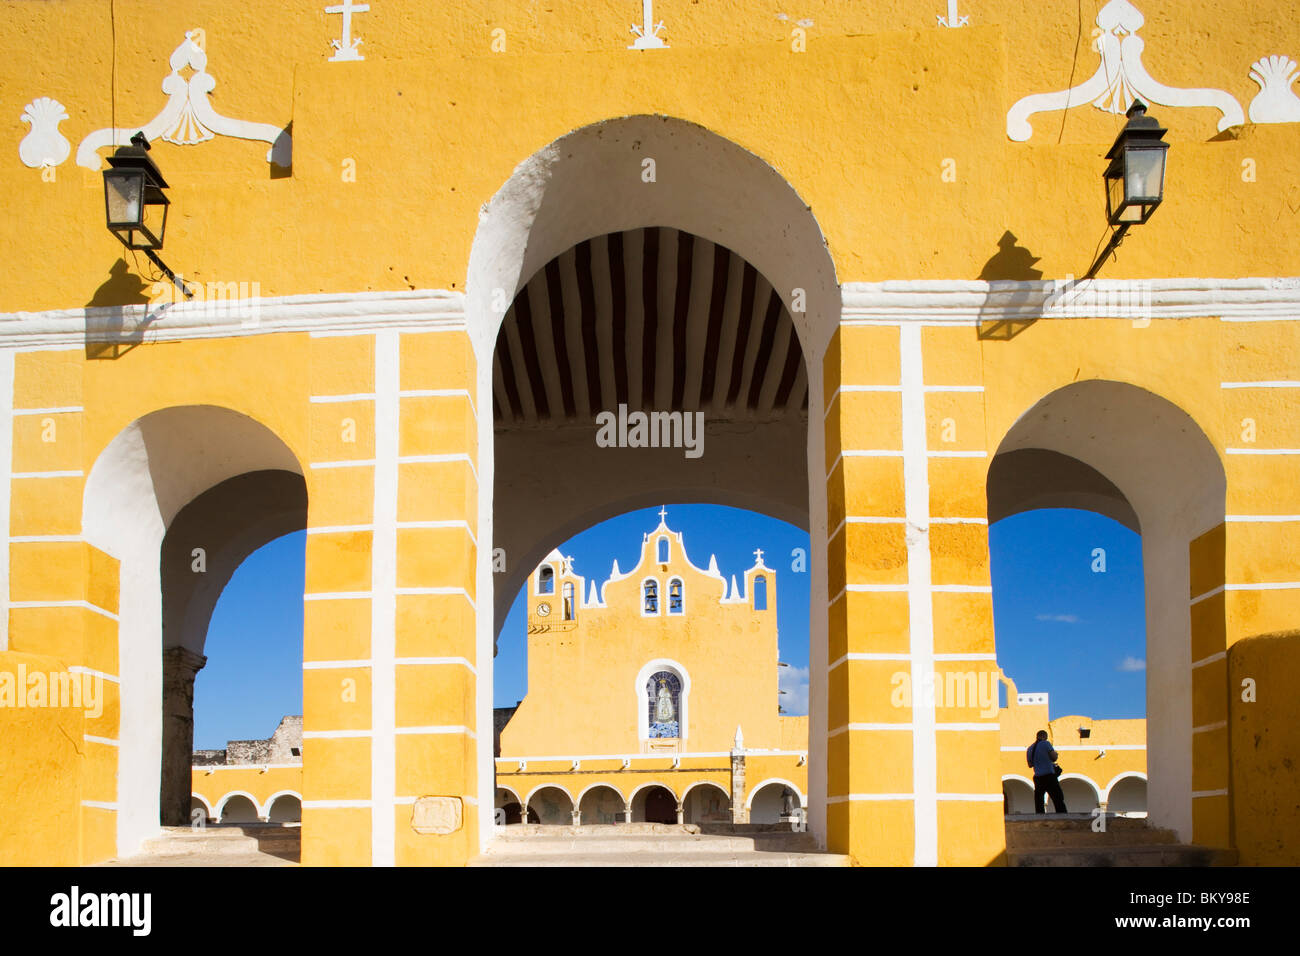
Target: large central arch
<point>633,173</point>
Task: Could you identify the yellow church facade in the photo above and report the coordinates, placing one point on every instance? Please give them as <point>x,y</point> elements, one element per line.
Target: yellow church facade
<point>652,697</point>
<point>422,263</point>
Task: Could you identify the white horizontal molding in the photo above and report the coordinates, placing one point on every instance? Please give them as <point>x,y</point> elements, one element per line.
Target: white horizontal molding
<point>208,317</point>
<point>965,302</point>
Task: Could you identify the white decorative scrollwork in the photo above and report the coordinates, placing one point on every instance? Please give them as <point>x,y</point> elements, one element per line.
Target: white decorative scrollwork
<point>1275,102</point>
<point>1120,79</point>
<point>44,145</point>
<point>188,118</point>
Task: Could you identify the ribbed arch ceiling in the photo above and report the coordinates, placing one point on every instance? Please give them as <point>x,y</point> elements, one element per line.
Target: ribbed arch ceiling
<point>654,318</point>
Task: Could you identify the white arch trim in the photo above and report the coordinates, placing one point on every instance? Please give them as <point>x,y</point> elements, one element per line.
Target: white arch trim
<point>207,807</point>
<point>646,786</point>
<point>509,790</point>
<point>1088,780</point>
<point>549,786</point>
<point>705,783</point>
<point>221,804</point>
<point>749,800</point>
<point>1015,776</point>
<point>599,786</point>
<point>1135,774</point>
<point>642,715</point>
<point>265,810</point>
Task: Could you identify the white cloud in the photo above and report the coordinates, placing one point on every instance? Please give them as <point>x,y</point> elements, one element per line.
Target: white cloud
<point>794,681</point>
<point>1059,618</point>
<point>1132,664</point>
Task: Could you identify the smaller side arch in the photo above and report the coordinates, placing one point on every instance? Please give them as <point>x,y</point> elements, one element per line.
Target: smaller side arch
<point>265,811</point>
<point>548,786</point>
<point>199,798</point>
<point>653,783</point>
<point>597,786</point>
<point>1122,775</point>
<point>749,800</point>
<point>225,800</point>
<point>1081,782</point>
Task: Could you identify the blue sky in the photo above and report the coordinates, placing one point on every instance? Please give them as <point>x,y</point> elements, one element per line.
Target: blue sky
<point>1063,626</point>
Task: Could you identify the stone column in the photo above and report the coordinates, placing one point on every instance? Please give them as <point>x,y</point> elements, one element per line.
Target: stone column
<point>627,813</point>
<point>681,815</point>
<point>577,818</point>
<point>738,812</point>
<point>180,667</point>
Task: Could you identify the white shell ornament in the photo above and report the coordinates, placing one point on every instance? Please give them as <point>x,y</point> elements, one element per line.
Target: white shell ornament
<point>1276,102</point>
<point>44,145</point>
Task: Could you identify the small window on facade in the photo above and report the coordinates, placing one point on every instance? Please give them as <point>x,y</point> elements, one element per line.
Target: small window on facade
<point>663,550</point>
<point>760,593</point>
<point>546,580</point>
<point>295,751</point>
<point>651,592</point>
<point>675,597</point>
<point>568,602</point>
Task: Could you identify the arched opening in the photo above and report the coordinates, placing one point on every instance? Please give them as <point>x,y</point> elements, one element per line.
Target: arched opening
<point>706,803</point>
<point>1018,795</point>
<point>650,597</point>
<point>773,802</point>
<point>509,810</point>
<point>176,480</point>
<point>713,292</point>
<point>1080,794</point>
<point>199,805</point>
<point>760,593</point>
<point>286,808</point>
<point>1135,458</point>
<point>601,805</point>
<point>1128,796</point>
<point>552,806</point>
<point>676,597</point>
<point>654,803</point>
<point>237,808</point>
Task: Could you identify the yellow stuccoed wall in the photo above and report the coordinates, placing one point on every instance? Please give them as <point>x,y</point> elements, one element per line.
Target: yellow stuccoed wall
<point>863,125</point>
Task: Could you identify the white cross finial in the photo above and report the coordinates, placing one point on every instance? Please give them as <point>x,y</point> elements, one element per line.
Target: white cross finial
<point>663,512</point>
<point>647,32</point>
<point>758,555</point>
<point>347,47</point>
<point>954,19</point>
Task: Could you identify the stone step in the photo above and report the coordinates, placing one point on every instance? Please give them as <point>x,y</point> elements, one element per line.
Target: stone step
<point>665,856</point>
<point>227,840</point>
<point>1078,832</point>
<point>610,839</point>
<point>1141,855</point>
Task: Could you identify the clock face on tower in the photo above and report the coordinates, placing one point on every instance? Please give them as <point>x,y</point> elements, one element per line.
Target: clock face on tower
<point>543,609</point>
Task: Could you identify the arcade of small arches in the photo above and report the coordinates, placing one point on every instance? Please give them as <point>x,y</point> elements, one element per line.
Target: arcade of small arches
<point>240,806</point>
<point>773,801</point>
<point>1125,795</point>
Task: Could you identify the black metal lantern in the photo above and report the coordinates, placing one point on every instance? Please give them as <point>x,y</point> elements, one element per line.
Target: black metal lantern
<point>1135,179</point>
<point>134,202</point>
<point>135,205</point>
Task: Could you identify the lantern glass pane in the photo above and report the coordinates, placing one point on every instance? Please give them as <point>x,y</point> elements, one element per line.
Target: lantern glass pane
<point>1114,196</point>
<point>1144,174</point>
<point>124,196</point>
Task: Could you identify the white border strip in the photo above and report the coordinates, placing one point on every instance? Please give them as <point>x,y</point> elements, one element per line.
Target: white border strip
<point>383,606</point>
<point>916,498</point>
<point>968,302</point>
<point>6,485</point>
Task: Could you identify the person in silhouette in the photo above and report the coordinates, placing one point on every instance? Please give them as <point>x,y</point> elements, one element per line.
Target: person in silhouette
<point>1042,758</point>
